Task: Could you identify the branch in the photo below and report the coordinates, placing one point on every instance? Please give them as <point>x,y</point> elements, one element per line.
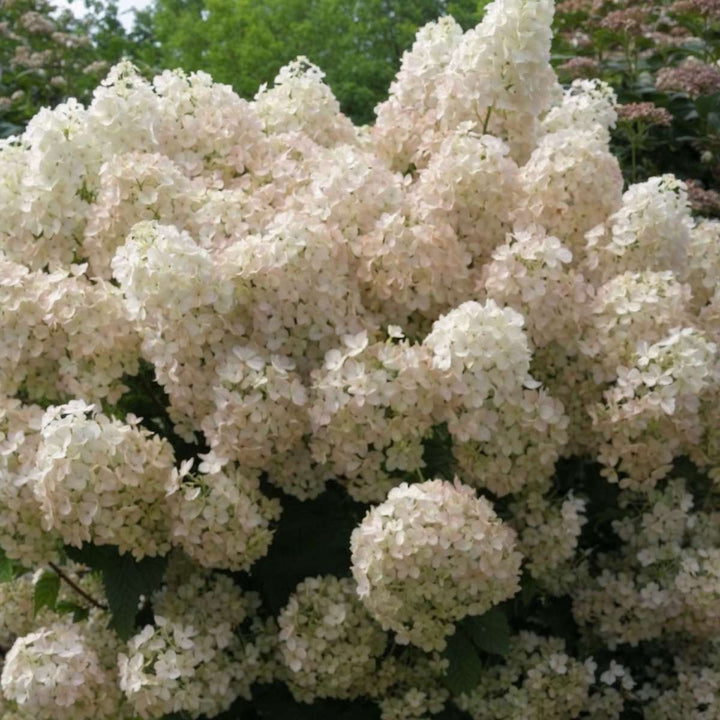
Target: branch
<point>77,588</point>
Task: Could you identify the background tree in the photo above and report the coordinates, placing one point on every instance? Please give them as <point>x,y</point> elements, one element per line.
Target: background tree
<point>47,57</point>
<point>358,43</point>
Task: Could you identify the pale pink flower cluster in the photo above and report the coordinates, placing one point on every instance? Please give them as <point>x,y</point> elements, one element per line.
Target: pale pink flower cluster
<point>691,689</point>
<point>63,335</point>
<point>373,409</point>
<point>548,533</point>
<point>102,481</point>
<point>431,554</point>
<point>77,475</point>
<point>319,303</point>
<point>22,534</point>
<point>651,412</point>
<point>507,431</point>
<point>650,231</point>
<point>221,519</point>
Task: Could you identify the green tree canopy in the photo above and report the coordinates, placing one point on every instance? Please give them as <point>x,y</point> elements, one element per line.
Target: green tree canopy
<point>47,57</point>
<point>358,43</point>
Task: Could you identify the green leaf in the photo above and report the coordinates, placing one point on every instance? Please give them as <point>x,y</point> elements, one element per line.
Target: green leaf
<point>7,568</point>
<point>465,668</point>
<point>529,589</point>
<point>313,538</point>
<point>125,580</point>
<point>490,632</point>
<point>46,591</point>
<point>437,454</point>
<point>65,607</point>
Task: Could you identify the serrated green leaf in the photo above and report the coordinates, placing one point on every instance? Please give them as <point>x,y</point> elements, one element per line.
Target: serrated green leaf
<point>46,591</point>
<point>125,580</point>
<point>465,668</point>
<point>490,632</point>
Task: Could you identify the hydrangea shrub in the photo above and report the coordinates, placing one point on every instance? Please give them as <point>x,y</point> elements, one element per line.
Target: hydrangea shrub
<point>301,419</point>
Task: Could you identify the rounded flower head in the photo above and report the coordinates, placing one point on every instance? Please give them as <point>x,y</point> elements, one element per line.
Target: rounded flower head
<point>328,642</point>
<point>192,659</point>
<point>431,554</point>
<point>221,519</point>
<point>103,481</point>
<point>54,674</point>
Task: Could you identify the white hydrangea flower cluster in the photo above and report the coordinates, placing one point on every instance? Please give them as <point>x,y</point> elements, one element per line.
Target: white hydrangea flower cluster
<point>191,659</point>
<point>650,231</point>
<point>666,578</point>
<point>326,306</point>
<point>651,412</point>
<point>589,104</point>
<point>259,408</point>
<point>22,534</point>
<point>18,616</point>
<point>300,101</point>
<point>539,680</point>
<point>500,76</point>
<point>329,644</point>
<point>170,287</point>
<point>431,554</point>
<point>56,667</point>
<point>54,673</point>
<point>548,536</point>
<point>133,188</point>
<point>99,480</point>
<point>693,692</point>
<point>411,686</point>
<point>572,182</point>
<point>17,611</point>
<point>507,431</point>
<point>63,335</point>
<point>471,185</point>
<point>221,519</point>
<point>372,410</point>
<point>704,261</point>
<point>530,274</point>
<point>629,308</point>
<point>406,121</point>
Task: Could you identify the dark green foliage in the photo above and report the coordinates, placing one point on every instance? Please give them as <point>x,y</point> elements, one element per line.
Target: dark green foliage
<point>489,632</point>
<point>65,607</point>
<point>468,649</point>
<point>466,667</point>
<point>7,568</point>
<point>147,400</point>
<point>437,454</point>
<point>46,591</point>
<point>313,538</point>
<point>125,580</point>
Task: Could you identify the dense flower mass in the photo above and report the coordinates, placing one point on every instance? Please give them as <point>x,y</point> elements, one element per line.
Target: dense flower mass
<point>245,346</point>
<point>191,658</point>
<point>431,554</point>
<point>328,642</point>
